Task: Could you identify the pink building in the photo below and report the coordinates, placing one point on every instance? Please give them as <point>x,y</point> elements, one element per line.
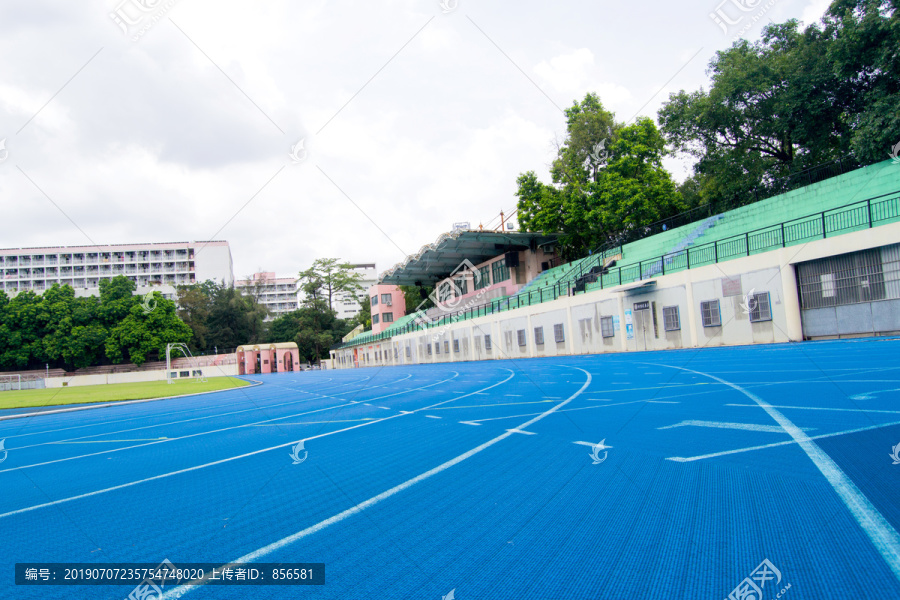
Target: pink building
<point>267,358</point>
<point>388,305</point>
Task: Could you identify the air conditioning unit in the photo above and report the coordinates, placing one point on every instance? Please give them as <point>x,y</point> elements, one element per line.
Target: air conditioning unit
<point>387,302</point>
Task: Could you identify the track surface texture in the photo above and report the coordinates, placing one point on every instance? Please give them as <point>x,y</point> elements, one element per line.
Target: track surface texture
<point>484,479</point>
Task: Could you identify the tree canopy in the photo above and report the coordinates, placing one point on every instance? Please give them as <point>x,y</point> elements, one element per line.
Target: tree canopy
<point>58,329</point>
<point>792,100</point>
<point>607,178</point>
<point>328,277</point>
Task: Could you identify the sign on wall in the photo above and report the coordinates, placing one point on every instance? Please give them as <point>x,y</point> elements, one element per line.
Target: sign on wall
<point>731,286</point>
<point>642,305</point>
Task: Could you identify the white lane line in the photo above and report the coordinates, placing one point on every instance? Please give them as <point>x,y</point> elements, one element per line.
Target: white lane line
<point>588,444</point>
<point>192,435</point>
<point>776,444</point>
<point>405,412</point>
<point>856,410</point>
<point>165,414</point>
<point>167,423</point>
<point>383,407</point>
<point>574,409</point>
<point>123,403</point>
<point>495,404</point>
<point>433,417</point>
<point>883,536</point>
<point>266,550</point>
<point>366,404</point>
<point>312,422</point>
<point>469,423</point>
<point>106,441</point>
<point>722,425</point>
<point>514,395</point>
<point>522,432</point>
<point>217,462</point>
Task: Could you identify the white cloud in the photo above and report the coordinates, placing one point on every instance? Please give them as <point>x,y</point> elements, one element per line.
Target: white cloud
<point>151,141</point>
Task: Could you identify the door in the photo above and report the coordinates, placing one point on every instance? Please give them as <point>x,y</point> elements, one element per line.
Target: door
<point>642,325</point>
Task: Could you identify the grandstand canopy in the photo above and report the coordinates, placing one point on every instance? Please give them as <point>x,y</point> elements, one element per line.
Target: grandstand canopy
<point>437,261</point>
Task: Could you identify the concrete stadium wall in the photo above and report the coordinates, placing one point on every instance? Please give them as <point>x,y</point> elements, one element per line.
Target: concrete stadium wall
<point>580,315</point>
<point>135,377</point>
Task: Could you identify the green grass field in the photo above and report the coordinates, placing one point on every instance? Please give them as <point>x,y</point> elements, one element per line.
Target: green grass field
<point>113,392</point>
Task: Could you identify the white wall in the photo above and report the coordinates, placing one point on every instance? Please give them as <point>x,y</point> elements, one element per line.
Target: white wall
<point>581,315</point>
<point>134,377</point>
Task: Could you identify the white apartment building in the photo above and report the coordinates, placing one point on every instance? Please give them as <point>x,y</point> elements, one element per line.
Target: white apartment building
<point>279,295</point>
<point>347,305</point>
<point>152,267</point>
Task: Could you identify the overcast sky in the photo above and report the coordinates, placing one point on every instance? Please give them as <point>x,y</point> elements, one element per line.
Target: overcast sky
<point>178,122</point>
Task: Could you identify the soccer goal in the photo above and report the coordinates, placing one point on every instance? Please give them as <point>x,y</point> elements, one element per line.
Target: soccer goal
<point>10,382</point>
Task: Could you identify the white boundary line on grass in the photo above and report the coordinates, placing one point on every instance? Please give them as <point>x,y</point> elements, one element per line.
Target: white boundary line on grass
<point>111,404</point>
<point>180,591</point>
<point>883,536</point>
<point>192,419</point>
<point>255,452</point>
<point>200,433</point>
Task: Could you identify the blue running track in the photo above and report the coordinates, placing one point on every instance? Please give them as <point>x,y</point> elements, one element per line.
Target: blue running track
<point>480,478</point>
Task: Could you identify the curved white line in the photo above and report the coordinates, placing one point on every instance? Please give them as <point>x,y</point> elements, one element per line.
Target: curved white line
<point>883,536</point>
<point>178,592</point>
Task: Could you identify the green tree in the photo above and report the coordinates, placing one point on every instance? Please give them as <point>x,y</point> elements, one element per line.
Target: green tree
<point>195,303</point>
<point>608,182</point>
<point>314,328</point>
<point>328,277</point>
<point>139,335</point>
<point>790,101</point>
<point>234,319</point>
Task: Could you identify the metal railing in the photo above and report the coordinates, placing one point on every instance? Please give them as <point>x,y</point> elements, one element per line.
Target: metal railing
<point>859,215</point>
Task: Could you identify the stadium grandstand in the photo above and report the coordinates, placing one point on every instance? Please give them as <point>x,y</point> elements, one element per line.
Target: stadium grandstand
<point>820,261</point>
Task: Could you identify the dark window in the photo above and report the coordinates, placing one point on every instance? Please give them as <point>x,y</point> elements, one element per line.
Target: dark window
<point>559,333</point>
<point>487,342</point>
<point>387,317</point>
<point>760,307</point>
<point>709,312</point>
<point>607,328</point>
<point>520,335</point>
<point>500,271</point>
<point>538,335</point>
<point>671,319</point>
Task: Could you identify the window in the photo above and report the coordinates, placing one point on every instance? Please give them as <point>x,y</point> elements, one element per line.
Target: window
<point>500,271</point>
<point>487,342</point>
<point>387,317</point>
<point>760,307</point>
<point>429,349</point>
<point>607,329</point>
<point>827,280</point>
<point>462,285</point>
<point>446,347</point>
<point>709,312</point>
<point>408,352</point>
<point>559,334</point>
<point>375,300</point>
<point>456,346</point>
<point>396,353</point>
<point>386,299</point>
<point>374,319</point>
<point>482,278</point>
<point>520,335</point>
<point>671,320</point>
<point>437,347</point>
<point>538,336</point>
